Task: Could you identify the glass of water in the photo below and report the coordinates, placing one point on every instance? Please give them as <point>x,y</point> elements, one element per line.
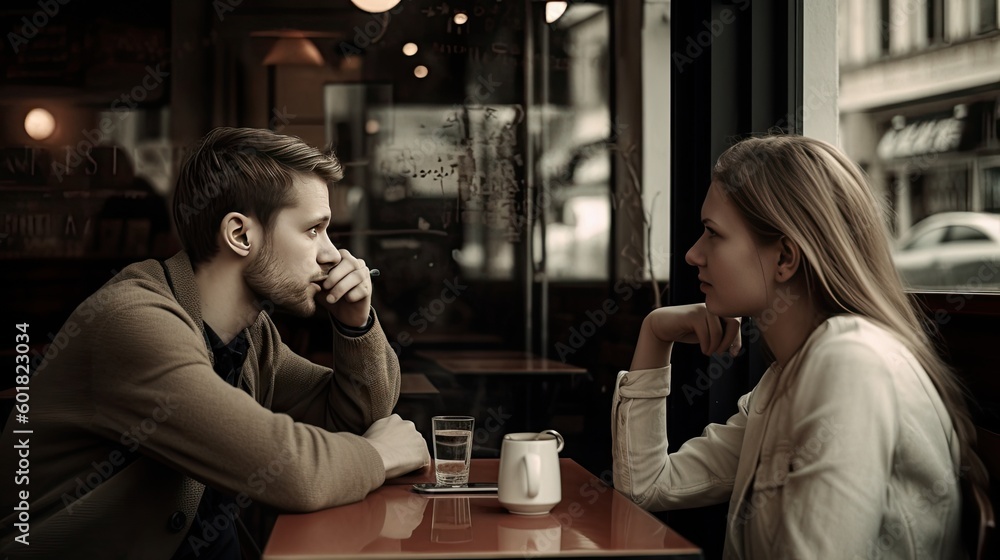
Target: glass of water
<point>452,448</point>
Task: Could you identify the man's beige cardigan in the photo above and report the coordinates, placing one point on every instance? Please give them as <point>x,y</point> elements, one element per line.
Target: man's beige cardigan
<point>136,374</point>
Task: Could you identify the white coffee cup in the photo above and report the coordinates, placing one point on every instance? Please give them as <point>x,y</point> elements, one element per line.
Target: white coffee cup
<point>529,482</point>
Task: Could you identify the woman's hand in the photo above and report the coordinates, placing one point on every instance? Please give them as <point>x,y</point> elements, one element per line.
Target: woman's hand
<point>691,324</point>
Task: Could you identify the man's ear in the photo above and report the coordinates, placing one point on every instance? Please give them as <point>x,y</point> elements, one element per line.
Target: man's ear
<point>239,232</point>
<point>789,259</point>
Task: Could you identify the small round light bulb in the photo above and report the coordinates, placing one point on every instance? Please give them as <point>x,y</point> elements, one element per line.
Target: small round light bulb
<point>39,124</point>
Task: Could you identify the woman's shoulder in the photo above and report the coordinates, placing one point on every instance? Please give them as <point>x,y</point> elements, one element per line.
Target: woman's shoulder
<point>859,331</point>
<point>853,344</point>
<point>852,361</point>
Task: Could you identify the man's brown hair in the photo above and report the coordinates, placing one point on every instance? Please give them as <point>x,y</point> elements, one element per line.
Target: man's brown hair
<point>246,170</point>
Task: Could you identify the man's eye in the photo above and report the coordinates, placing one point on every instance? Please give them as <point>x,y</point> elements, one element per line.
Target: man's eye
<point>314,231</point>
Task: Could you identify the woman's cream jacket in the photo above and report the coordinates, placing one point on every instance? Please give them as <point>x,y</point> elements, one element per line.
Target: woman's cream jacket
<point>855,458</point>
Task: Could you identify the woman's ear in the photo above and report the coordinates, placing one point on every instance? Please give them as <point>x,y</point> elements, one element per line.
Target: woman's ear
<point>789,259</point>
<point>238,232</point>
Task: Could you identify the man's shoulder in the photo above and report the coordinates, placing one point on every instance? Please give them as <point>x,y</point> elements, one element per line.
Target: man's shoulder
<point>139,286</point>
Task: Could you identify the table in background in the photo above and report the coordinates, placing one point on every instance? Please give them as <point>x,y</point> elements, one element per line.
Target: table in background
<point>416,384</point>
<point>526,375</point>
<point>592,521</point>
<point>419,400</point>
<point>497,362</point>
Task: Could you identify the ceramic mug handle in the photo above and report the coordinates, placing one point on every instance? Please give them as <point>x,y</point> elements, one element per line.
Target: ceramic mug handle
<point>560,442</point>
<point>533,470</point>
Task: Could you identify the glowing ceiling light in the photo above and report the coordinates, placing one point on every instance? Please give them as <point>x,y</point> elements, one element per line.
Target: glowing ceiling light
<point>375,6</point>
<point>39,124</point>
<point>420,71</point>
<point>294,51</point>
<point>410,49</point>
<point>554,10</point>
<point>460,18</point>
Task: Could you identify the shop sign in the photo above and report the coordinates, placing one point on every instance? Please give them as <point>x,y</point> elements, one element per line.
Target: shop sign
<point>922,137</point>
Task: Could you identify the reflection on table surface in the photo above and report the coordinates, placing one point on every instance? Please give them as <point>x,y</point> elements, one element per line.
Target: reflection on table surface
<point>592,521</point>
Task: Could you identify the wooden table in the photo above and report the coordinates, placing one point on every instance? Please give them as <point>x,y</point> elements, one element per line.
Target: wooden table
<point>592,521</point>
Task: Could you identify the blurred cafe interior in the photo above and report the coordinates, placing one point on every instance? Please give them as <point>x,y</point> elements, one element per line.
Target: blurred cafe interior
<point>526,174</point>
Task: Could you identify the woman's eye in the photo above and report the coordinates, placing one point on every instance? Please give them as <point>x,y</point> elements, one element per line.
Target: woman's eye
<point>711,232</point>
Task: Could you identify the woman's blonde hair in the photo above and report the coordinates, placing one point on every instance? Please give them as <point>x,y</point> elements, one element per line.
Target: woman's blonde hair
<point>810,192</point>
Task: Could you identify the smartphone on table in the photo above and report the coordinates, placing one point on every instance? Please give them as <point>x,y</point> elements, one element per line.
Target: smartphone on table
<point>474,488</point>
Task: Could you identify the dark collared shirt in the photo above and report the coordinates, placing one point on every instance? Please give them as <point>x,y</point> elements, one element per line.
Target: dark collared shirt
<point>213,534</point>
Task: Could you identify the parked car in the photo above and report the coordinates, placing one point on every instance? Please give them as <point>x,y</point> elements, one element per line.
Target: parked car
<point>951,250</point>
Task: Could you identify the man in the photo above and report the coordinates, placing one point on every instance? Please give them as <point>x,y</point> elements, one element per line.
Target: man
<point>175,403</point>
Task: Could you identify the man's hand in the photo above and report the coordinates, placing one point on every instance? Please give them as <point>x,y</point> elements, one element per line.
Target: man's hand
<point>400,445</point>
<point>347,291</point>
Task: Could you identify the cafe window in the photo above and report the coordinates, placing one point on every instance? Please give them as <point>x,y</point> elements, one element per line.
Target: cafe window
<point>939,190</point>
<point>885,27</point>
<point>934,158</point>
<point>945,214</point>
<point>484,150</point>
<point>458,170</point>
<point>987,12</point>
<point>991,189</point>
<point>574,167</point>
<point>930,239</point>
<point>961,234</point>
<point>935,21</point>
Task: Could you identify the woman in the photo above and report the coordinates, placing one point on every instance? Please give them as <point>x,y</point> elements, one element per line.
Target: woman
<point>852,443</point>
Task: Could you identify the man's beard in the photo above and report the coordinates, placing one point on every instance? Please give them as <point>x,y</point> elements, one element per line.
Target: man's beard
<point>265,278</point>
